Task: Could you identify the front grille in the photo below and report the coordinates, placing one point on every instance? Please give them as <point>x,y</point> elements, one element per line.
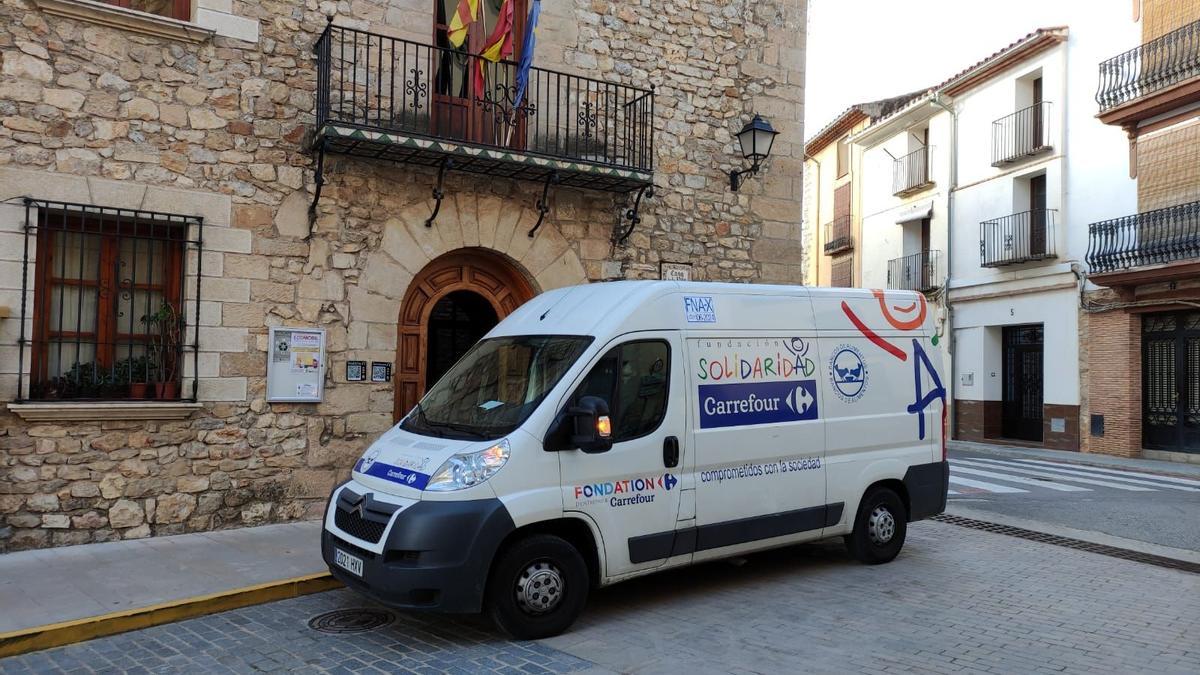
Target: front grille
<point>353,524</point>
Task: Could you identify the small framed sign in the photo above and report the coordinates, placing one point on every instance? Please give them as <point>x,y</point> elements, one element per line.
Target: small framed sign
<point>381,371</point>
<point>356,371</point>
<point>296,365</point>
<point>669,271</point>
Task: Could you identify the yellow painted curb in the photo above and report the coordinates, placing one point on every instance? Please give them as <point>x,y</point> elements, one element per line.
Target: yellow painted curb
<point>68,632</point>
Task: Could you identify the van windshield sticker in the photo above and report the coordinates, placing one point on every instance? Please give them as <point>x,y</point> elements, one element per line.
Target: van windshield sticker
<point>699,309</point>
<point>488,405</point>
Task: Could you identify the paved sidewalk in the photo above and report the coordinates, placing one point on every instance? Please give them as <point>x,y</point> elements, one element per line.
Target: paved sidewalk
<point>49,586</point>
<point>1089,459</point>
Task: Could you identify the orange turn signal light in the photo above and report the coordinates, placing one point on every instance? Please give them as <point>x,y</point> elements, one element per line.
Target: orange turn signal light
<point>604,426</point>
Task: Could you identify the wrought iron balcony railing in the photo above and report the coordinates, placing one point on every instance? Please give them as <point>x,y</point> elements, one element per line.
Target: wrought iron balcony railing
<point>1021,237</point>
<point>1155,65</point>
<point>916,272</point>
<point>375,90</point>
<point>1022,134</point>
<point>837,235</point>
<point>910,173</point>
<point>1150,238</point>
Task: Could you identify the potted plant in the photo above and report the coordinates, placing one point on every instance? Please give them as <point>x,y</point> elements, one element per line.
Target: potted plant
<point>132,371</point>
<point>163,327</point>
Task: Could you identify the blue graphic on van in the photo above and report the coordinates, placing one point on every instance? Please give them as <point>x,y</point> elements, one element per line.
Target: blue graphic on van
<point>748,403</point>
<point>396,474</point>
<point>848,373</point>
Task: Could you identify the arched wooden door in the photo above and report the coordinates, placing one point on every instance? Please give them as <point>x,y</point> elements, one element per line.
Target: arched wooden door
<point>480,271</point>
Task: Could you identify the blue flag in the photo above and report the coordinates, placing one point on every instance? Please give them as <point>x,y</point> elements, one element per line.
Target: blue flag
<point>527,53</point>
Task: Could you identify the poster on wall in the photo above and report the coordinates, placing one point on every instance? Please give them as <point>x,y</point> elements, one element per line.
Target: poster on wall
<point>296,365</point>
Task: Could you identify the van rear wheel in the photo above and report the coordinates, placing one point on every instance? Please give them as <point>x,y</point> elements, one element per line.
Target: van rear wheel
<point>879,528</point>
<point>538,587</point>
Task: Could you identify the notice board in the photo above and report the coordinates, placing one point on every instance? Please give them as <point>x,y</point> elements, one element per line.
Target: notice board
<point>296,365</point>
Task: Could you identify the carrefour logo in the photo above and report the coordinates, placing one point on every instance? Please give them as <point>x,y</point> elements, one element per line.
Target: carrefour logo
<point>750,403</point>
<point>624,492</point>
<point>848,373</point>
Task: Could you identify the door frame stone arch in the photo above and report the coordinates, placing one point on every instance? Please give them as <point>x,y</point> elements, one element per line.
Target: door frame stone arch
<point>495,277</point>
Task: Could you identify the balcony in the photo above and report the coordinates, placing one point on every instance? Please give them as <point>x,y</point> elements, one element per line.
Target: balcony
<point>916,272</point>
<point>1023,134</point>
<point>1022,237</point>
<point>910,173</point>
<point>837,236</point>
<point>385,98</point>
<point>1145,247</point>
<point>1153,67</point>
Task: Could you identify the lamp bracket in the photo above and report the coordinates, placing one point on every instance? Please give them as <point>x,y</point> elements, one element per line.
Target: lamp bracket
<point>543,204</point>
<point>438,192</point>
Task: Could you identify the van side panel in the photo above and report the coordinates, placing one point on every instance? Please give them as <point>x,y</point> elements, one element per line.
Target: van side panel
<point>883,410</point>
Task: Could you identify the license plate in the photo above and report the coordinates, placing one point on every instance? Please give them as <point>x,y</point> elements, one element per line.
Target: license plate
<point>352,564</point>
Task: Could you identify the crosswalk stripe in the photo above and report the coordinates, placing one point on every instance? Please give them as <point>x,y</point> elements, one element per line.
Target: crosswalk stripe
<point>1076,470</point>
<point>1168,479</point>
<point>981,485</point>
<point>1050,485</point>
<point>998,466</point>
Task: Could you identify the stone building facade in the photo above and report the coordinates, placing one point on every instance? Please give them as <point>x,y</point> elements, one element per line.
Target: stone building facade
<point>118,126</point>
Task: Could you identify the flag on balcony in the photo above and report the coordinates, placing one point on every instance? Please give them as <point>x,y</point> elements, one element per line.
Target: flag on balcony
<point>461,22</point>
<point>527,53</point>
<point>498,46</point>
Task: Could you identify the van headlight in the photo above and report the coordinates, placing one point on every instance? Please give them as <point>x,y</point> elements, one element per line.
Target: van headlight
<point>468,469</point>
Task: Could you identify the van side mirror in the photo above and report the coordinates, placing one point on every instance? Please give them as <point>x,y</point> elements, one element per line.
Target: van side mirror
<point>586,426</point>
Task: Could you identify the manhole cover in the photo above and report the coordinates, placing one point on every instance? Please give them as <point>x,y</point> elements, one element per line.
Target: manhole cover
<point>355,620</point>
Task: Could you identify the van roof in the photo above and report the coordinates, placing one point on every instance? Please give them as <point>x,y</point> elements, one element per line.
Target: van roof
<point>592,309</point>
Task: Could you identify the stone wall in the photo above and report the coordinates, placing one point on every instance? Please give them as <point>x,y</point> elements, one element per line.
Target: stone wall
<point>98,115</point>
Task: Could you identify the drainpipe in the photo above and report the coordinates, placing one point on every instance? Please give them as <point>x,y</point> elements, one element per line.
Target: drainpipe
<point>950,345</point>
<point>817,223</point>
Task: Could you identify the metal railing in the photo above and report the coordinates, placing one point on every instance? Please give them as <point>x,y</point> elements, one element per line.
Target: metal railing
<point>1020,237</point>
<point>1155,65</point>
<point>387,84</point>
<point>1150,238</point>
<point>910,173</point>
<point>1021,134</point>
<point>916,272</point>
<point>841,273</point>
<point>837,235</point>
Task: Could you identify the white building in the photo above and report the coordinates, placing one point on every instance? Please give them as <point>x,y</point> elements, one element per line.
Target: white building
<point>979,193</point>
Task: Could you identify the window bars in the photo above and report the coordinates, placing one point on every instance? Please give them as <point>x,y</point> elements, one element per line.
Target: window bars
<point>108,288</point>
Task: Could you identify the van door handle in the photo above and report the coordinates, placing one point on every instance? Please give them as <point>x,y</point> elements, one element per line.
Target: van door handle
<point>671,452</point>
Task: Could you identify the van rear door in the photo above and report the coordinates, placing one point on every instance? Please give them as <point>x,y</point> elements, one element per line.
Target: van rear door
<point>631,492</point>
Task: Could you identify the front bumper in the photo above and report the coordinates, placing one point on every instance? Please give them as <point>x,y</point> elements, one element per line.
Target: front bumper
<point>927,485</point>
<point>437,556</point>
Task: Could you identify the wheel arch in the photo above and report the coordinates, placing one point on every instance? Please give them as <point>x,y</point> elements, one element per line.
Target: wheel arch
<point>576,531</point>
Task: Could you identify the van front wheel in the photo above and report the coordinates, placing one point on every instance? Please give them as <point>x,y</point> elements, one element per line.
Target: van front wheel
<point>879,528</point>
<point>538,587</point>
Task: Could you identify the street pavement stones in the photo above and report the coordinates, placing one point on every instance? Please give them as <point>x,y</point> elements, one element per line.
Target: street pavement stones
<point>956,600</point>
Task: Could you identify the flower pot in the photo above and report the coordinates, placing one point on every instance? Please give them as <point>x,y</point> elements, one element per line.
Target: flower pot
<point>137,390</point>
<point>165,391</point>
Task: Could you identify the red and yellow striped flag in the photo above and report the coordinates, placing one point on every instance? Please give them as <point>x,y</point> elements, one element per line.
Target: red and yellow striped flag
<point>463,17</point>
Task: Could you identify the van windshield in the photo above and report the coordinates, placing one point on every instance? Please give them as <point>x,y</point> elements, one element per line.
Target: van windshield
<point>495,386</point>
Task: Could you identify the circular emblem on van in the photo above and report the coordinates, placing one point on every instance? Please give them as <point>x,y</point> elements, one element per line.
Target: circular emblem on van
<point>848,373</point>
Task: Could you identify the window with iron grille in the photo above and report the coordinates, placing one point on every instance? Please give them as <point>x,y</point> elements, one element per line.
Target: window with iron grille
<point>107,310</point>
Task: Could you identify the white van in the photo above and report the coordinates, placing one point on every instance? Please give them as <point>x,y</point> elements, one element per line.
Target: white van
<point>610,430</point>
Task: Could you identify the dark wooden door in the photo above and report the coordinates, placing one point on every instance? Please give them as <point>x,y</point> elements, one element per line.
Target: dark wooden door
<point>1021,415</point>
<point>1037,124</point>
<point>1171,381</point>
<point>458,113</point>
<point>1037,215</point>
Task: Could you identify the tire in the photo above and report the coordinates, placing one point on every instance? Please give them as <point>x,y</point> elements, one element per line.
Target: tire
<point>538,587</point>
<point>880,541</point>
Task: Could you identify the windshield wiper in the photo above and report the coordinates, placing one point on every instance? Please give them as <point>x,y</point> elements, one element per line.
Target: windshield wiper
<point>434,426</point>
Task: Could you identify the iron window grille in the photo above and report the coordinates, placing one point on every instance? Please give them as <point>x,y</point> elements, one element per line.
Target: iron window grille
<point>910,173</point>
<point>107,313</point>
<point>837,235</point>
<point>915,272</point>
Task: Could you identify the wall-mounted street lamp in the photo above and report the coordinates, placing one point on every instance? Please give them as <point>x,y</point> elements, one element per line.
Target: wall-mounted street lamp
<point>755,140</point>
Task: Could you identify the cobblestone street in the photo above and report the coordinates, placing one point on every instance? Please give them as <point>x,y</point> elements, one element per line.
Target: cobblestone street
<point>957,600</point>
